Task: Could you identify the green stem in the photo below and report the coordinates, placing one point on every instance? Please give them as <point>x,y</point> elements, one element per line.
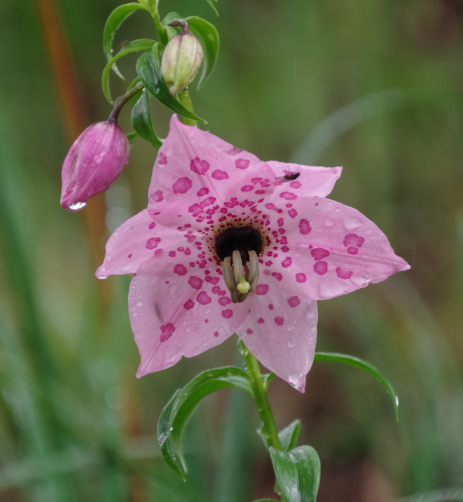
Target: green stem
<point>185,100</point>
<point>122,100</point>
<point>269,430</point>
<point>161,30</point>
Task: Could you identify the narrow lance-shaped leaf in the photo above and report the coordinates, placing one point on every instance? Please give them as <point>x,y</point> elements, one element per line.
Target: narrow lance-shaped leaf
<point>288,436</point>
<point>141,120</point>
<point>209,39</point>
<point>175,415</point>
<point>213,6</point>
<point>134,46</point>
<point>297,473</point>
<point>131,136</point>
<point>115,19</point>
<point>149,71</point>
<point>363,365</point>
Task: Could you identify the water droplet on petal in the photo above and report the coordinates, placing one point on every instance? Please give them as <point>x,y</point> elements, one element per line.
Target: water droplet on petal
<point>291,343</point>
<point>138,303</point>
<point>76,206</point>
<point>102,277</point>
<point>295,379</point>
<point>329,222</point>
<point>351,223</point>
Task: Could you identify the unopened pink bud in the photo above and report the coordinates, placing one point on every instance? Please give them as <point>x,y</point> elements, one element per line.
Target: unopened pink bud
<point>94,161</point>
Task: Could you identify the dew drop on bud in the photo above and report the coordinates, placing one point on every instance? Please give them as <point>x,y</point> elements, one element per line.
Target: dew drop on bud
<point>76,206</point>
<point>102,277</point>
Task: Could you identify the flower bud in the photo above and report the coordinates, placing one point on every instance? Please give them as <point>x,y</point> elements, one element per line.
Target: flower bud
<point>94,161</point>
<point>181,60</point>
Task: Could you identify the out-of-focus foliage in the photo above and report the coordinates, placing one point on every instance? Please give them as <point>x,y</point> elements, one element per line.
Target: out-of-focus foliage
<point>372,85</point>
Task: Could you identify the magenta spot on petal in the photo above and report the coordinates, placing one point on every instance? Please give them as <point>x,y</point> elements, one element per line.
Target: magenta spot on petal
<point>199,166</point>
<point>288,195</point>
<point>130,255</point>
<point>292,213</point>
<point>172,254</point>
<point>301,278</point>
<point>277,276</point>
<point>270,206</point>
<point>212,280</point>
<point>153,243</point>
<point>152,225</point>
<point>260,320</point>
<point>156,196</point>
<point>161,158</point>
<point>189,304</point>
<point>180,269</point>
<point>294,301</point>
<point>158,252</point>
<point>224,301</point>
<point>295,184</point>
<point>216,334</point>
<point>279,321</point>
<point>203,191</point>
<point>227,313</point>
<point>271,307</point>
<point>242,163</point>
<point>280,222</point>
<point>219,175</point>
<point>353,240</point>
<point>286,262</point>
<point>203,298</point>
<point>343,274</point>
<point>321,267</point>
<point>352,250</point>
<point>167,331</point>
<point>249,331</point>
<point>319,253</point>
<point>195,282</point>
<point>304,227</point>
<point>182,185</point>
<point>247,188</point>
<point>262,289</point>
<point>285,249</point>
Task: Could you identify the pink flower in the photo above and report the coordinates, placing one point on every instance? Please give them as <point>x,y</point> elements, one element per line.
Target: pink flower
<point>179,302</point>
<point>94,161</point>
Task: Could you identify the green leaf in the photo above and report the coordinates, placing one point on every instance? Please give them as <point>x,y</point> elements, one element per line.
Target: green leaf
<point>115,19</point>
<point>363,365</point>
<point>136,97</point>
<point>209,39</point>
<point>297,473</point>
<point>134,46</point>
<point>141,120</point>
<point>178,410</point>
<point>266,379</point>
<point>131,136</point>
<point>214,8</point>
<point>266,500</point>
<point>289,435</point>
<point>149,71</point>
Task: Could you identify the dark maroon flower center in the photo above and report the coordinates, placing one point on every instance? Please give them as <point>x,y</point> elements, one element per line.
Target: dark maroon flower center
<point>242,239</point>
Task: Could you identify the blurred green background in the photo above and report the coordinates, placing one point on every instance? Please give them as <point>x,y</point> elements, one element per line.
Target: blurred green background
<point>372,85</point>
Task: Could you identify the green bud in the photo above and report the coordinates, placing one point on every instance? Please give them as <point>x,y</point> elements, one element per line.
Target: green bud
<point>181,59</point>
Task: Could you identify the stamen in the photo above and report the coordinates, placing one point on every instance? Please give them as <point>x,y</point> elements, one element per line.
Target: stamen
<point>228,275</point>
<point>237,266</point>
<point>253,274</point>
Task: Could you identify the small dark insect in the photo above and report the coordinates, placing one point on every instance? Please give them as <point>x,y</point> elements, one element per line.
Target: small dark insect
<point>289,176</point>
<point>124,43</point>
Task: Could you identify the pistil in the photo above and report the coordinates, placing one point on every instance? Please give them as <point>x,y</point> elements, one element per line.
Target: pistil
<point>238,283</point>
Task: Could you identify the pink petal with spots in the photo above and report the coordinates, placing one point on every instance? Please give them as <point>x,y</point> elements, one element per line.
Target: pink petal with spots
<point>283,338</point>
<point>334,268</point>
<point>315,181</point>
<point>137,238</point>
<point>168,321</point>
<point>211,173</point>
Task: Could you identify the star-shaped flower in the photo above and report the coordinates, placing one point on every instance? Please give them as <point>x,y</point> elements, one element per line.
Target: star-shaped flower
<point>232,244</point>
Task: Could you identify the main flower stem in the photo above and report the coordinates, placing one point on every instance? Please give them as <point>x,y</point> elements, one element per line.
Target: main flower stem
<point>269,430</point>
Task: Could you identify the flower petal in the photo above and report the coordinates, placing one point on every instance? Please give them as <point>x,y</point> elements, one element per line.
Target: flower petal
<point>314,181</point>
<point>196,173</point>
<point>134,242</point>
<point>331,249</point>
<point>179,310</point>
<point>281,329</point>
